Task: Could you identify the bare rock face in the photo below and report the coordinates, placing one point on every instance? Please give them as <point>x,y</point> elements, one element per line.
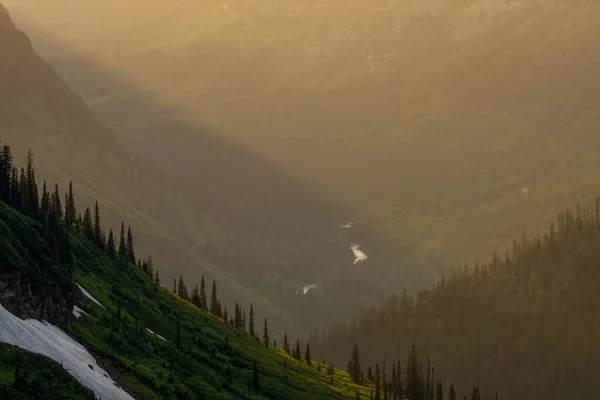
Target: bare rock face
<point>18,298</point>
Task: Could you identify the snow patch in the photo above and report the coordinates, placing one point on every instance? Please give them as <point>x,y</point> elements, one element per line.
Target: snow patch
<point>78,312</point>
<point>89,296</point>
<point>156,334</point>
<point>48,340</point>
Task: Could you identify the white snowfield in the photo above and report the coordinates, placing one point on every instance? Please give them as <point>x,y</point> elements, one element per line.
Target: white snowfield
<point>78,312</point>
<point>48,340</point>
<point>89,296</point>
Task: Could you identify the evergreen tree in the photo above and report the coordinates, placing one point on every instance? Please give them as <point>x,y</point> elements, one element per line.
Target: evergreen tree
<point>130,247</point>
<point>123,245</point>
<point>251,322</point>
<point>354,368</point>
<point>195,298</point>
<point>32,191</point>
<point>307,355</point>
<point>174,286</point>
<point>297,353</point>
<point>377,382</point>
<point>157,279</point>
<point>266,334</point>
<point>23,186</point>
<point>370,374</point>
<point>88,227</point>
<point>56,206</point>
<point>45,202</point>
<point>181,289</point>
<point>225,315</point>
<point>70,211</point>
<point>6,173</point>
<point>213,299</point>
<point>286,344</point>
<point>475,395</point>
<point>203,298</point>
<point>452,393</point>
<point>98,236</point>
<point>15,190</point>
<point>439,392</point>
<point>110,244</point>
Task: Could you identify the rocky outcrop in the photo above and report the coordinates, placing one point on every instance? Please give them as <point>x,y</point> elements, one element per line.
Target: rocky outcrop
<point>55,306</point>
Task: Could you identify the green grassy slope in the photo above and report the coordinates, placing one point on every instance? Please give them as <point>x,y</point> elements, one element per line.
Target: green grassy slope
<point>40,378</point>
<point>214,362</point>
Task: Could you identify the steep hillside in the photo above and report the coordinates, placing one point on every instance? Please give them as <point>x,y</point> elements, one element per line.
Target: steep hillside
<point>427,119</point>
<point>153,343</point>
<point>169,213</point>
<point>526,323</point>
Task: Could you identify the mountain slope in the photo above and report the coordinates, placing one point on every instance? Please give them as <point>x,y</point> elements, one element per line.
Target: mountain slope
<point>39,112</point>
<point>526,324</point>
<point>426,120</point>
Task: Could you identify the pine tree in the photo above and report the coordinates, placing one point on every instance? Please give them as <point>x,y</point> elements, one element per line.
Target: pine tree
<point>377,382</point>
<point>45,202</point>
<point>225,316</point>
<point>266,334</point>
<point>15,190</point>
<point>384,382</point>
<point>203,298</point>
<point>88,227</point>
<point>307,355</point>
<point>439,392</point>
<point>181,289</point>
<point>354,365</point>
<point>122,244</point>
<point>156,279</point>
<point>174,286</point>
<point>475,395</point>
<point>110,244</point>
<point>214,299</point>
<point>32,191</point>
<point>452,393</point>
<point>70,211</point>
<point>297,353</point>
<point>130,247</point>
<point>56,206</point>
<point>195,298</point>
<point>6,169</point>
<point>98,236</point>
<point>23,185</point>
<point>251,322</point>
<point>286,344</point>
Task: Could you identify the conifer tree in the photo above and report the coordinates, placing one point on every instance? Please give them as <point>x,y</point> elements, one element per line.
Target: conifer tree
<point>225,315</point>
<point>266,334</point>
<point>452,393</point>
<point>130,247</point>
<point>45,202</point>
<point>88,227</point>
<point>123,245</point>
<point>251,322</point>
<point>354,368</point>
<point>15,193</point>
<point>203,298</point>
<point>377,382</point>
<point>475,395</point>
<point>181,289</point>
<point>370,374</point>
<point>157,279</point>
<point>214,299</point>
<point>23,186</point>
<point>297,353</point>
<point>110,244</point>
<point>56,204</point>
<point>439,392</point>
<point>98,236</point>
<point>32,191</point>
<point>6,173</point>
<point>195,298</point>
<point>174,286</point>
<point>286,344</point>
<point>70,211</point>
<point>307,355</point>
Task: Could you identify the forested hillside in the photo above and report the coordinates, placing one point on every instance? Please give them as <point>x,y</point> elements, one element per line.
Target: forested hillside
<point>155,343</point>
<point>526,323</point>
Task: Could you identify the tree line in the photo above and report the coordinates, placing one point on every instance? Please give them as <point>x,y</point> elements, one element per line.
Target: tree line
<point>525,323</point>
